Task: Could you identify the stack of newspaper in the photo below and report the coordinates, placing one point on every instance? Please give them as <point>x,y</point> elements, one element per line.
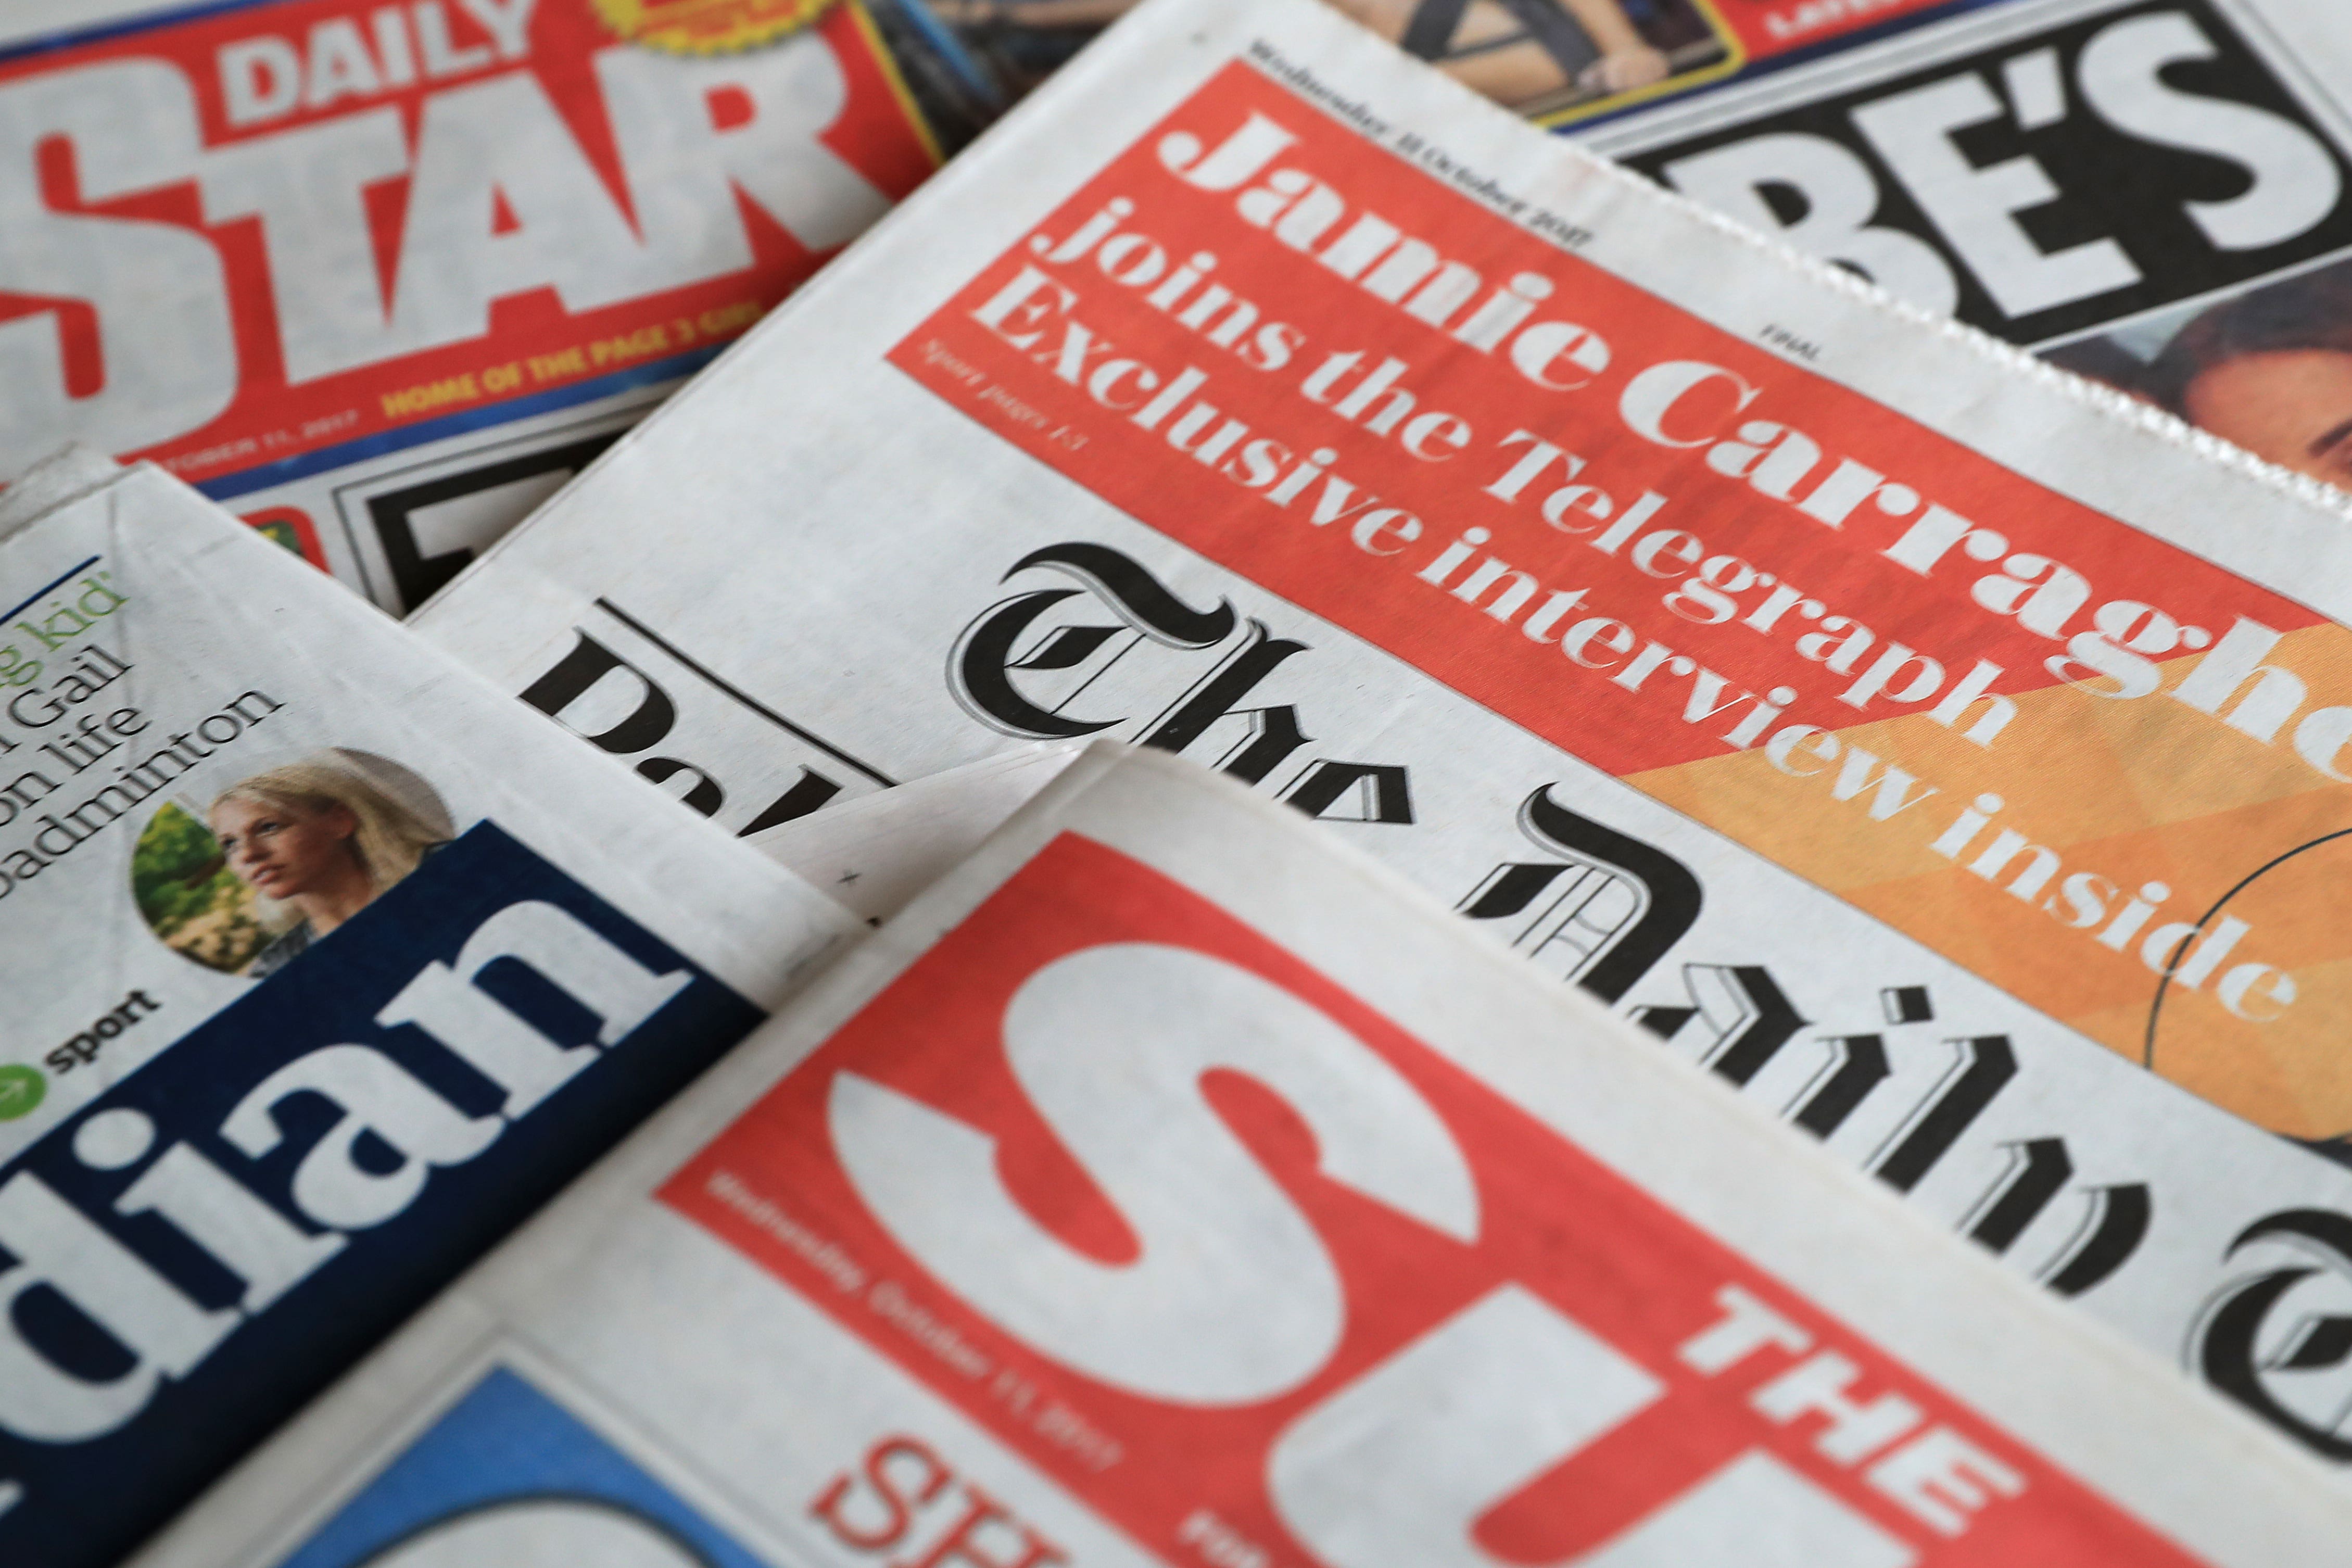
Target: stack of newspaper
<point>1702,918</point>
<point>325,965</point>
<point>384,279</point>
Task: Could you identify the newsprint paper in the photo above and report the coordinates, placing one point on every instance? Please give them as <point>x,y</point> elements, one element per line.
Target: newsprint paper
<point>1953,760</point>
<point>874,854</point>
<point>1167,1186</point>
<point>324,966</point>
<point>2156,194</point>
<point>382,277</point>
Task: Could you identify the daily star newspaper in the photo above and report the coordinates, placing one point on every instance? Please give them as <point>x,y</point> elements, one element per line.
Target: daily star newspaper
<point>2155,194</point>
<point>324,966</point>
<point>381,277</point>
<point>1170,1186</point>
<point>1949,755</point>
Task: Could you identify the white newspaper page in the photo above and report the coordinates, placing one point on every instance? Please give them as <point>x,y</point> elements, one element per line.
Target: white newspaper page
<point>1947,754</point>
<point>873,855</point>
<point>324,965</point>
<point>1169,1187</point>
<point>2158,195</point>
<point>381,278</point>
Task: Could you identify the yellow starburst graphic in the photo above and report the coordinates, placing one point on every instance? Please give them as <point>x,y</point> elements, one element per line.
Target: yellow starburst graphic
<point>709,27</point>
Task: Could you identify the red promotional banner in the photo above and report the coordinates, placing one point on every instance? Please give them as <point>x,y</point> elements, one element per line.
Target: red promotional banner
<point>2034,738</point>
<point>1768,28</point>
<point>1321,1341</point>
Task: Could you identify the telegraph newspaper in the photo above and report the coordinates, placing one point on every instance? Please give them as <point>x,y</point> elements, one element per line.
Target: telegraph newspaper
<point>1949,754</point>
<point>325,964</point>
<point>381,277</point>
<point>1170,1186</point>
<point>2156,195</point>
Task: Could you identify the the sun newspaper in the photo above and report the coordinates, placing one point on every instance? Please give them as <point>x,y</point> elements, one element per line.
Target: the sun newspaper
<point>322,964</point>
<point>1949,754</point>
<point>1172,1186</point>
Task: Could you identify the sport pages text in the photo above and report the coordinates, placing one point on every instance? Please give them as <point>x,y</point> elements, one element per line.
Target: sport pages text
<point>1878,722</point>
<point>324,965</point>
<point>383,276</point>
<point>1167,1187</point>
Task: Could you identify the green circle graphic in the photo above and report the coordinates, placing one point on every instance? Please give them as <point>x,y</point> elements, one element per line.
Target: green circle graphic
<point>22,1089</point>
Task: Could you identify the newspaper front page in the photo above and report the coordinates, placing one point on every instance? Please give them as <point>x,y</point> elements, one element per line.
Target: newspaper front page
<point>2157,196</point>
<point>324,966</point>
<point>381,277</point>
<point>1167,1186</point>
<point>1948,757</point>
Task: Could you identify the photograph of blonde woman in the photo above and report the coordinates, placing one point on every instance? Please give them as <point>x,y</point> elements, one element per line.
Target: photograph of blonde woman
<point>319,839</point>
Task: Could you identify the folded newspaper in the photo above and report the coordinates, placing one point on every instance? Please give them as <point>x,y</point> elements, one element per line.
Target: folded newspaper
<point>383,276</point>
<point>873,855</point>
<point>2156,194</point>
<point>1170,1186</point>
<point>386,277</point>
<point>324,965</point>
<point>1949,754</point>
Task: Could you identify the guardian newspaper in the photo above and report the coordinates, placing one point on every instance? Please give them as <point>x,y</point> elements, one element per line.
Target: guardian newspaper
<point>324,965</point>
